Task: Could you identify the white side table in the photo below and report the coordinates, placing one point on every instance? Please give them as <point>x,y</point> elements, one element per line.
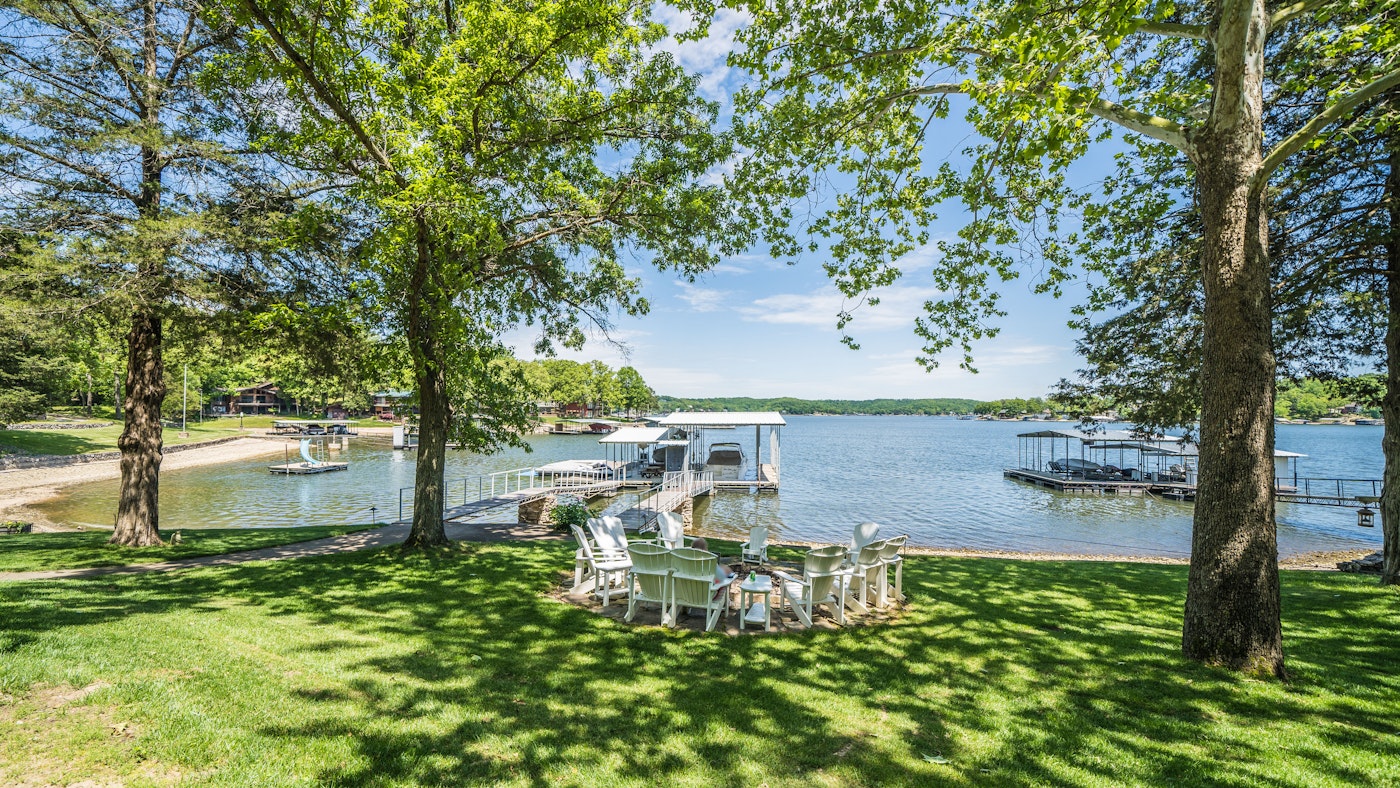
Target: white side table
<point>751,593</point>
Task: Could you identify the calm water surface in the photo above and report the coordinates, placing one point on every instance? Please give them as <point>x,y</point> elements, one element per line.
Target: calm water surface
<point>938,479</point>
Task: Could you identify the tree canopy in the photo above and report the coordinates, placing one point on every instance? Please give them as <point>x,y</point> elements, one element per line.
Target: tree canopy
<point>506,157</point>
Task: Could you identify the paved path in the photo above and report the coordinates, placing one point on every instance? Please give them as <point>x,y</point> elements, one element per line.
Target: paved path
<point>359,540</point>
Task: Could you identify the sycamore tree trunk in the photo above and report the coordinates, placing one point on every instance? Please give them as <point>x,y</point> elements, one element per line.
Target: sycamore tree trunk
<point>1232,600</point>
<point>434,408</point>
<point>138,505</point>
<point>1390,403</point>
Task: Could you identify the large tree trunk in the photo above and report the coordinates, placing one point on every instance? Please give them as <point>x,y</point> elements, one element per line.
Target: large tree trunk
<point>1232,599</point>
<point>434,409</point>
<point>138,508</point>
<point>1390,404</point>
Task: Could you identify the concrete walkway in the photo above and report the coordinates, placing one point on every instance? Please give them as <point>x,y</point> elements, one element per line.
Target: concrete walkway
<point>360,540</point>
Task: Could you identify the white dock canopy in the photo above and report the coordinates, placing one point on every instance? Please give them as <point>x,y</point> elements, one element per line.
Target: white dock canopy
<point>642,436</point>
<point>1100,436</point>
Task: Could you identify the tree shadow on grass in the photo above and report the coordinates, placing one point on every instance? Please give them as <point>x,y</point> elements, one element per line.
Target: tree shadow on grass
<point>452,668</point>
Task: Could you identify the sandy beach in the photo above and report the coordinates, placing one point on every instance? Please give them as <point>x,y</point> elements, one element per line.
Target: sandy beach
<point>21,488</point>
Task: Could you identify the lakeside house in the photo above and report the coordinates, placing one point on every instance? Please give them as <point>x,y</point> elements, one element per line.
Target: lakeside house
<point>257,400</point>
<point>387,404</point>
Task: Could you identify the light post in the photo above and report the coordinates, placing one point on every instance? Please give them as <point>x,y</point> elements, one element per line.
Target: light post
<point>185,404</point>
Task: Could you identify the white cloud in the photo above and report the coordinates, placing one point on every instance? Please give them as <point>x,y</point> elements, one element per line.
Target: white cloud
<point>702,299</point>
<point>898,307</point>
<point>729,268</point>
<point>705,57</point>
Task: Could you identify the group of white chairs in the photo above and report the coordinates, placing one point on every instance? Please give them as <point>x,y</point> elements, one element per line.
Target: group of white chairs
<point>867,573</point>
<point>660,571</point>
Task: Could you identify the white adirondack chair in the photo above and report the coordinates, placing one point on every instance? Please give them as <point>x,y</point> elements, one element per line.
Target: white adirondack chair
<point>890,559</point>
<point>610,539</point>
<point>608,568</point>
<point>866,572</point>
<point>864,534</point>
<point>672,530</point>
<point>693,585</point>
<point>649,579</point>
<point>823,582</point>
<point>755,550</point>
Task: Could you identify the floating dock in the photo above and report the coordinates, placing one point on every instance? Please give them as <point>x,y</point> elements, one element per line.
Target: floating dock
<point>303,468</point>
<point>1178,490</point>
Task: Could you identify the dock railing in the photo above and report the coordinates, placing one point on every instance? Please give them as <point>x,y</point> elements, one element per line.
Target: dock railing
<point>519,482</point>
<point>674,486</point>
<point>1341,492</point>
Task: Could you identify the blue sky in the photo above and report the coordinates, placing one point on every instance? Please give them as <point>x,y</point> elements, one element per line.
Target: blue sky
<point>755,326</point>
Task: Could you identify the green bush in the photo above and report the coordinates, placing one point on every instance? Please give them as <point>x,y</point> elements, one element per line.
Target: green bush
<point>569,512</point>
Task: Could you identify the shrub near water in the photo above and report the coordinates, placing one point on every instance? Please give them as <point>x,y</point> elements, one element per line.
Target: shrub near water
<point>571,512</point>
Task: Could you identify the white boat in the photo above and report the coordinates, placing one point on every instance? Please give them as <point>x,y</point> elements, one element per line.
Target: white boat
<point>726,461</point>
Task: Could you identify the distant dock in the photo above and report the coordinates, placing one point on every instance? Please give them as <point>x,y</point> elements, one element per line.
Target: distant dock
<point>302,468</point>
<point>1058,483</point>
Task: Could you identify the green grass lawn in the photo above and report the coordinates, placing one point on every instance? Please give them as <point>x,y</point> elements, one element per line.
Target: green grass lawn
<point>455,668</point>
<point>36,552</point>
<point>99,438</point>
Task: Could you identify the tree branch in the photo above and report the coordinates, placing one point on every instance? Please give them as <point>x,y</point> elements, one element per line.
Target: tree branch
<point>1288,13</point>
<point>1154,126</point>
<point>1173,30</point>
<point>88,172</point>
<point>1322,120</point>
<point>325,94</point>
<point>119,65</point>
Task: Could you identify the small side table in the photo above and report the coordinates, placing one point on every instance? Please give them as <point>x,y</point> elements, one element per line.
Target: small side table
<point>750,593</point>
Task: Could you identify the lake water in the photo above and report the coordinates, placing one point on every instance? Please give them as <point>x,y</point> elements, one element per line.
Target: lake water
<point>937,479</point>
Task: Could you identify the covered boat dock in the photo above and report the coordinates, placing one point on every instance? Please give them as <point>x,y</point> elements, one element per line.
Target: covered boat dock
<point>695,427</point>
<point>1121,462</point>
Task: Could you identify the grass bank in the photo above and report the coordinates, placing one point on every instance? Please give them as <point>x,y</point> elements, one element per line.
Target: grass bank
<point>97,439</point>
<point>453,668</point>
<point>100,439</point>
<point>79,550</point>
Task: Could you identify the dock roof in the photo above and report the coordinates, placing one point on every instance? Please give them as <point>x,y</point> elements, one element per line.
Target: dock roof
<point>1101,436</point>
<point>768,418</point>
<point>637,435</point>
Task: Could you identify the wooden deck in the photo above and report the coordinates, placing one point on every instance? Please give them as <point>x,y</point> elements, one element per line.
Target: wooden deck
<point>767,480</point>
<point>303,469</point>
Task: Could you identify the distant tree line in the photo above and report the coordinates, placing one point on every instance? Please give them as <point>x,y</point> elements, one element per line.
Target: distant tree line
<point>844,407</point>
<point>592,384</point>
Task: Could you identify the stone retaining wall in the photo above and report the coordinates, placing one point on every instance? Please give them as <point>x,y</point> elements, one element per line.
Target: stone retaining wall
<point>59,426</point>
<point>59,461</point>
